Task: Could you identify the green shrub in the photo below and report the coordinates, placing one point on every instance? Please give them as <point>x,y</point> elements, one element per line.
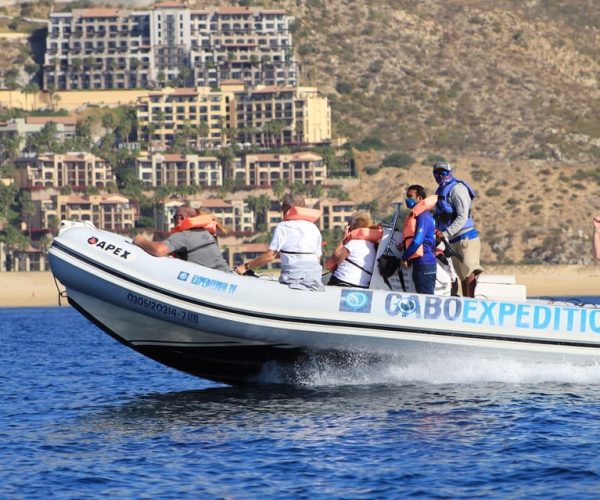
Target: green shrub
<point>372,170</point>
<point>431,159</point>
<point>536,209</point>
<point>370,142</point>
<point>493,192</point>
<point>537,155</point>
<point>343,87</point>
<point>401,160</point>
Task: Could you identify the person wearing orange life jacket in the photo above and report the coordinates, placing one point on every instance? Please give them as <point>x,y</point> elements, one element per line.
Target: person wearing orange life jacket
<point>353,259</point>
<point>193,239</point>
<point>297,241</point>
<point>419,239</point>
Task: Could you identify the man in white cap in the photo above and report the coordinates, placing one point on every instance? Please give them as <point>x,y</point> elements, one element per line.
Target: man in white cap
<point>454,221</point>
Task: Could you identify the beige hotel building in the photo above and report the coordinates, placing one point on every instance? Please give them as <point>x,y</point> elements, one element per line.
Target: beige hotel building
<point>58,170</point>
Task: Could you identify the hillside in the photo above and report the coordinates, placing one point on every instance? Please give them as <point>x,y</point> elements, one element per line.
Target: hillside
<point>506,89</point>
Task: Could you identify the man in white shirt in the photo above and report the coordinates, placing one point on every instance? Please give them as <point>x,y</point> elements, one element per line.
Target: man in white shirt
<point>297,240</point>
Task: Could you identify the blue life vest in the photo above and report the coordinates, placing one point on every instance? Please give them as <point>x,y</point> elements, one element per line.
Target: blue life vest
<point>445,212</point>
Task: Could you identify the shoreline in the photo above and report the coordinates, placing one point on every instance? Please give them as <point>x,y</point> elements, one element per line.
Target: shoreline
<point>38,289</point>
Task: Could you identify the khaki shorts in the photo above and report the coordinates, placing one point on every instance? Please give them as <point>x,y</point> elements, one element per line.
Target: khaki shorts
<point>468,261</point>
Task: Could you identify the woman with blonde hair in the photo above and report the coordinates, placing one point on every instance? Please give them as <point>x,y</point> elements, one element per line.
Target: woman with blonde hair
<point>353,259</point>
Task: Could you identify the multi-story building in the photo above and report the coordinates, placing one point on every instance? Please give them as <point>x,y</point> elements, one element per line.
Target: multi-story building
<point>156,169</point>
<point>60,170</point>
<point>235,214</point>
<point>200,117</point>
<point>335,213</point>
<point>205,118</point>
<point>266,169</point>
<point>64,127</point>
<point>104,48</point>
<point>109,212</point>
<point>236,254</point>
<point>271,116</point>
<point>164,214</point>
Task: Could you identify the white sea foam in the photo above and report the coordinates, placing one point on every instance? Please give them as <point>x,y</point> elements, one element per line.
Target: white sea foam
<point>356,370</point>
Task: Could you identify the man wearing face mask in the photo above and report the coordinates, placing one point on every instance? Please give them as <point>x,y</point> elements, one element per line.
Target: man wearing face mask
<point>418,239</point>
<point>454,221</point>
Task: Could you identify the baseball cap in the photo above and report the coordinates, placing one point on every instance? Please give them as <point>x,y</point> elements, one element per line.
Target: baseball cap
<point>442,165</point>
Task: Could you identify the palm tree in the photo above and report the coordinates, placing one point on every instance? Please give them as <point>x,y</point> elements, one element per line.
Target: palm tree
<point>11,77</point>
<point>203,131</point>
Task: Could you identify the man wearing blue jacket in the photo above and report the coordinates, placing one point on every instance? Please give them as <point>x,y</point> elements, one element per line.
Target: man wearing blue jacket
<point>454,221</point>
<point>420,245</point>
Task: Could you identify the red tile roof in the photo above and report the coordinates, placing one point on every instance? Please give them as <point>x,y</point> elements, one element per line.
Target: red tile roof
<point>215,203</point>
<point>234,10</point>
<point>173,157</point>
<point>41,120</point>
<point>97,12</point>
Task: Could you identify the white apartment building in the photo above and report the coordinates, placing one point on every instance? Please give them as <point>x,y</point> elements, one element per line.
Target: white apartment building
<point>109,212</point>
<point>266,169</point>
<point>65,127</point>
<point>157,169</point>
<point>111,48</point>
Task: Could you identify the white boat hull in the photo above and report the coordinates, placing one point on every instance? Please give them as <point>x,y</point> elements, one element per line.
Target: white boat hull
<point>227,328</point>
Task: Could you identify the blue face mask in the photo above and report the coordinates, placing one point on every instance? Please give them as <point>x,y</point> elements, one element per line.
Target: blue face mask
<point>410,202</point>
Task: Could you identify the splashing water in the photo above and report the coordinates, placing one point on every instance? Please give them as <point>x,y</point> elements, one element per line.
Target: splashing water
<point>360,369</point>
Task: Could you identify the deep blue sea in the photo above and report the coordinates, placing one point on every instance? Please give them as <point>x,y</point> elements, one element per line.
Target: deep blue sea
<point>82,416</point>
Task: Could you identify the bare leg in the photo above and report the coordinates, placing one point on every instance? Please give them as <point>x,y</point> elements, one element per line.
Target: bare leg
<point>468,285</point>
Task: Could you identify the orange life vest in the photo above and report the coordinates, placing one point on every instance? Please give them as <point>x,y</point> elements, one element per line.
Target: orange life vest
<point>373,233</point>
<point>206,221</point>
<point>410,223</point>
<point>302,213</point>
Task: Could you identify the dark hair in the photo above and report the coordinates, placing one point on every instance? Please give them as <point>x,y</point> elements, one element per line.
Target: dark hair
<point>420,190</point>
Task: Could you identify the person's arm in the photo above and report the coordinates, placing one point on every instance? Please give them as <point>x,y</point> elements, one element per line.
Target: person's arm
<point>339,255</point>
<point>596,236</point>
<point>460,199</point>
<point>260,261</point>
<point>156,248</point>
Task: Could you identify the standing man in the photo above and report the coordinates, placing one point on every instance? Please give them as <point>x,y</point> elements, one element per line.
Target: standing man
<point>193,239</point>
<point>418,239</point>
<point>297,240</point>
<point>454,221</point>
<point>596,236</point>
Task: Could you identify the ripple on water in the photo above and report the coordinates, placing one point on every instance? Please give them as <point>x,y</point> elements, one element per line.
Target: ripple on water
<point>83,416</point>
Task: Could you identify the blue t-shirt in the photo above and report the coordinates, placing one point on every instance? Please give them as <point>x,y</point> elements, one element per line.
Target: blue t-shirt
<point>424,235</point>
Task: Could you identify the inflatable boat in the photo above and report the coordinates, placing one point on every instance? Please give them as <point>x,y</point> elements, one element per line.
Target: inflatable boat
<point>230,328</point>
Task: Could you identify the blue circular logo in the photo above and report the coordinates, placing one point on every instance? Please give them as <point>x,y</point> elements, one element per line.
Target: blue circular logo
<point>356,300</point>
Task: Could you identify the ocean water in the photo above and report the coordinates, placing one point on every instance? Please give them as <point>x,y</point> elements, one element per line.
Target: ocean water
<point>82,416</point>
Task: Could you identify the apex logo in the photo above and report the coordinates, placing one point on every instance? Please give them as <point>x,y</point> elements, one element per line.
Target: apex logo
<point>109,247</point>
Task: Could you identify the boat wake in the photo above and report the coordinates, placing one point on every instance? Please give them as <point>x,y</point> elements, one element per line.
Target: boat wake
<point>359,369</point>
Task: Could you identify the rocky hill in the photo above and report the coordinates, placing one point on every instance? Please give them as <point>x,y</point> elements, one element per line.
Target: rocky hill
<point>508,90</point>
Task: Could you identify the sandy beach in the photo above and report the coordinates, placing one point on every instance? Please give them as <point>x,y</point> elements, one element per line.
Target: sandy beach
<point>39,289</point>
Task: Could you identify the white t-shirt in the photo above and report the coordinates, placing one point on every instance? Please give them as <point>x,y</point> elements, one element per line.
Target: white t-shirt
<point>296,236</point>
<point>362,253</point>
